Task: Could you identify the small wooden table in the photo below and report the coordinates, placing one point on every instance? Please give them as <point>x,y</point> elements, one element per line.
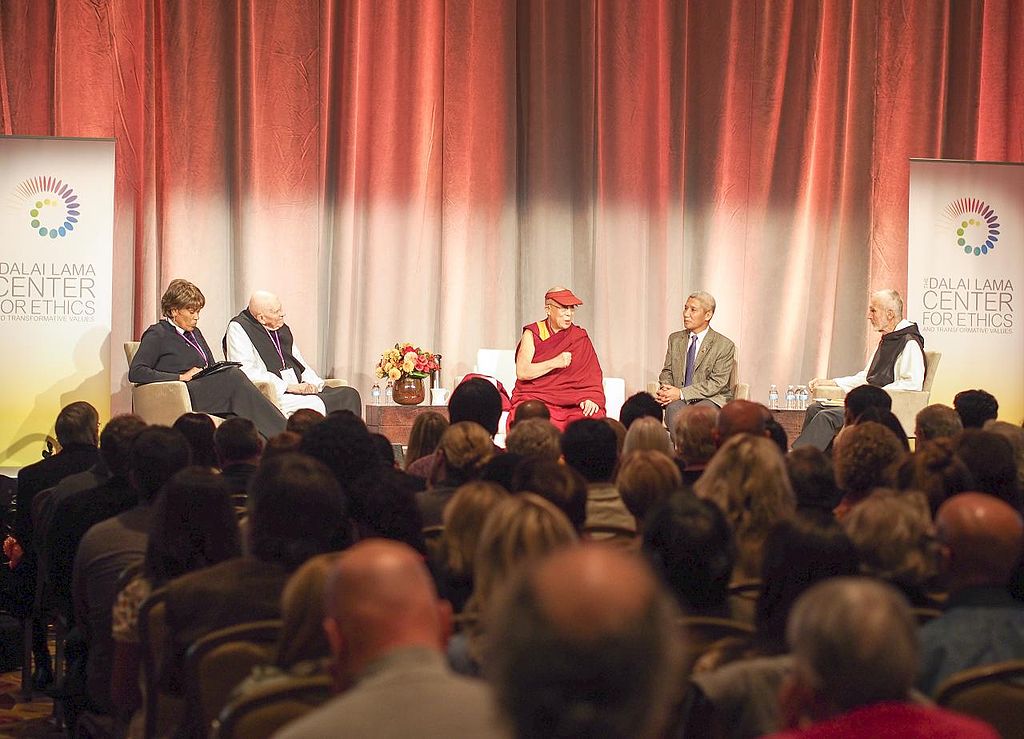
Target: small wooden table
<point>395,421</point>
<point>790,420</point>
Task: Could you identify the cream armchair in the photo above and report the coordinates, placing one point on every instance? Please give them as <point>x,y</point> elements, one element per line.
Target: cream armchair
<point>906,404</point>
<point>165,402</point>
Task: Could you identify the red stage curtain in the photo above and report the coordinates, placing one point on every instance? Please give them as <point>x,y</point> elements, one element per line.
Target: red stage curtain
<point>425,170</point>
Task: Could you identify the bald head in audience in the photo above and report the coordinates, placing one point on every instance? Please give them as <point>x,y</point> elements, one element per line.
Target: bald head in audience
<point>741,417</point>
<point>380,598</point>
<point>981,538</point>
<point>586,644</point>
<point>531,409</point>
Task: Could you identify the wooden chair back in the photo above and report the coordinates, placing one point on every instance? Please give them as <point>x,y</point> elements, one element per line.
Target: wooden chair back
<point>993,693</point>
<point>260,714</point>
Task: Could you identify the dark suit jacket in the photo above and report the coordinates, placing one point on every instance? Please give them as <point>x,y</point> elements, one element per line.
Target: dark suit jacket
<point>44,474</point>
<point>712,370</point>
<point>164,354</point>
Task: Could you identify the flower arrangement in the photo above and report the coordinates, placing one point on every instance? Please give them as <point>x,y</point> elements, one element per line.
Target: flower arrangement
<point>405,360</point>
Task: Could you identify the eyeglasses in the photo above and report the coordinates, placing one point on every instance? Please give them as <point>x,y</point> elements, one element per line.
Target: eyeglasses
<point>561,308</point>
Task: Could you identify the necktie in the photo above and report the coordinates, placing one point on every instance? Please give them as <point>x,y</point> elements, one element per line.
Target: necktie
<point>691,358</point>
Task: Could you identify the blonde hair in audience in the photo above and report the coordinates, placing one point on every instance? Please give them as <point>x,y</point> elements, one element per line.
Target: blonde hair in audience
<point>302,613</point>
<point>464,518</point>
<point>647,433</point>
<point>645,479</point>
<point>894,536</point>
<point>466,447</point>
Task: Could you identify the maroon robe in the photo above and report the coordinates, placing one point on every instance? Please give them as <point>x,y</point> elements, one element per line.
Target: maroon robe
<point>562,390</point>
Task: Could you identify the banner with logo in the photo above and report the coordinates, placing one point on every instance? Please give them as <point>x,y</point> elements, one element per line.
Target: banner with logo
<point>57,226</point>
<point>965,275</point>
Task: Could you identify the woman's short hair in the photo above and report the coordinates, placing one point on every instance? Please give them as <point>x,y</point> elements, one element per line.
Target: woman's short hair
<point>179,295</point>
<point>464,518</point>
<point>427,430</point>
<point>645,479</point>
<point>466,447</point>
<point>647,433</point>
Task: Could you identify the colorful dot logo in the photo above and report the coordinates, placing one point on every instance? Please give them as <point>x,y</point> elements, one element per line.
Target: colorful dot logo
<point>974,224</point>
<point>51,206</point>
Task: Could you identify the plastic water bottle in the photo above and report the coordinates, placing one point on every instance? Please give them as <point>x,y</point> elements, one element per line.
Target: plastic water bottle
<point>773,398</point>
<point>802,397</point>
<point>790,398</point>
<point>375,394</point>
<point>389,392</point>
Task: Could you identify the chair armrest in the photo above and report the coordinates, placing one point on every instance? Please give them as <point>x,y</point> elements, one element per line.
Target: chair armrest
<point>161,402</point>
<point>906,404</point>
<point>334,382</point>
<point>741,391</point>
<point>829,392</point>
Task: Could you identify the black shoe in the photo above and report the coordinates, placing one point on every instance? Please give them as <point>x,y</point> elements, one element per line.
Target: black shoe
<point>42,677</point>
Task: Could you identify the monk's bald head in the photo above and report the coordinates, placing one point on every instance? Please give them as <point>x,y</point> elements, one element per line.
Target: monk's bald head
<point>261,301</point>
<point>586,644</point>
<point>381,596</point>
<point>984,537</point>
<point>741,417</point>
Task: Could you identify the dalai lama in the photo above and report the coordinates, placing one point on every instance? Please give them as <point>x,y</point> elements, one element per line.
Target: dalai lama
<point>557,365</point>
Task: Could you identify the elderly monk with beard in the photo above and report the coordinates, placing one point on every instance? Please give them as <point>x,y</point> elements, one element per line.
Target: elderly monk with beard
<point>557,365</point>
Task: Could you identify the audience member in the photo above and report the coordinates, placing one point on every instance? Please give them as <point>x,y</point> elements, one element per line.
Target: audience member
<point>501,469</point>
<point>462,453</point>
<point>895,540</point>
<point>695,440</point>
<point>1014,435</point>
<point>990,460</point>
<point>302,648</point>
<point>530,409</point>
<point>744,687</point>
<point>559,484</point>
<point>72,516</point>
<point>285,442</point>
<point>589,447</point>
<point>777,434</point>
<point>889,420</point>
<point>296,511</point>
<point>342,443</point>
<point>518,531</point>
<point>641,405</point>
<point>384,506</point>
<point>239,446</point>
<point>866,457</point>
<point>741,417</point>
<point>747,480</point>
<point>464,518</point>
<point>975,407</point>
<point>198,428</point>
<point>535,439</point>
<point>645,480</point>
<point>935,471</point>
<point>385,450</point>
<point>814,483</point>
<point>476,400</point>
<point>860,399</point>
<point>647,433</point>
<point>426,433</point>
<point>620,433</point>
<point>387,632</point>
<point>303,420</point>
<point>936,421</point>
<point>854,646</point>
<point>690,546</point>
<point>586,645</point>
<point>192,526</point>
<point>981,541</point>
<point>114,544</point>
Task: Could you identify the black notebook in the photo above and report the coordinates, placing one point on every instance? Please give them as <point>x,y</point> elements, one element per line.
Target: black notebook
<point>215,368</point>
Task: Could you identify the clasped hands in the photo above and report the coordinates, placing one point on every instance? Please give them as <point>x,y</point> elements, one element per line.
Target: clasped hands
<point>667,394</point>
<point>302,388</point>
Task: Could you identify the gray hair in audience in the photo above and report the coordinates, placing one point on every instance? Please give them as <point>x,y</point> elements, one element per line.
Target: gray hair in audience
<point>647,434</point>
<point>704,298</point>
<point>613,678</point>
<point>535,438</point>
<point>854,641</point>
<point>936,421</point>
<point>694,433</point>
